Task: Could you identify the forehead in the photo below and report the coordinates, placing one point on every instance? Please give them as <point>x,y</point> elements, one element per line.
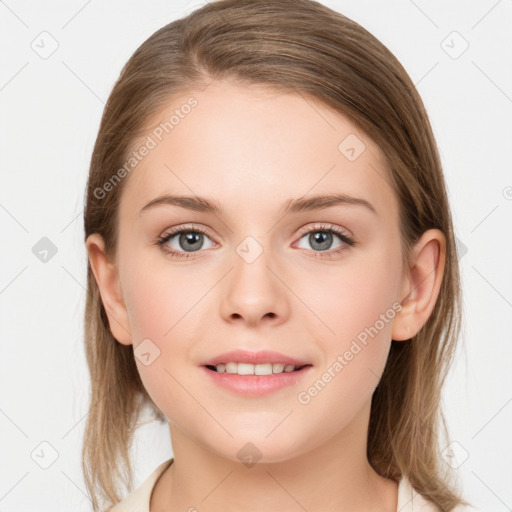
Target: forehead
<point>235,143</point>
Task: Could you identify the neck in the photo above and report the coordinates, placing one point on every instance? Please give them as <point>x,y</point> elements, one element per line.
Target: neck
<point>335,475</point>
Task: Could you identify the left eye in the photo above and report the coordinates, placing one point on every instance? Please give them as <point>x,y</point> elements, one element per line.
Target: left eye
<point>322,239</point>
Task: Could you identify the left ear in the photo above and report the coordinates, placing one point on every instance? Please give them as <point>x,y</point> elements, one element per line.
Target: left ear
<point>421,284</point>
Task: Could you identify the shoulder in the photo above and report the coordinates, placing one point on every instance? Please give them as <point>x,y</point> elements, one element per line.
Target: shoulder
<point>411,501</point>
<point>466,508</point>
<point>138,500</point>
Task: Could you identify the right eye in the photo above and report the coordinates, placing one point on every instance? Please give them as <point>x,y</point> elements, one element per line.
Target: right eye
<point>183,241</point>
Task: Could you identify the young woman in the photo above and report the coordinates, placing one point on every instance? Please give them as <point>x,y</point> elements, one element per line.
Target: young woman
<point>272,269</point>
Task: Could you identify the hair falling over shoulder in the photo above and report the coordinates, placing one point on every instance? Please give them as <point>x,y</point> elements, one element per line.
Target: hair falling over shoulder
<point>293,46</point>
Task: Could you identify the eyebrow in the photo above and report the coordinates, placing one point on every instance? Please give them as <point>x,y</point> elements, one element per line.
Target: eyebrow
<point>300,204</point>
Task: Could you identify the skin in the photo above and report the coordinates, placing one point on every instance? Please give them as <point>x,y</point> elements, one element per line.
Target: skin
<point>252,149</point>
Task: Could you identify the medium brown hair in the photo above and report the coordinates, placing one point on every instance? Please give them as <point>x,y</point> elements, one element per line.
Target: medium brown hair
<point>296,46</point>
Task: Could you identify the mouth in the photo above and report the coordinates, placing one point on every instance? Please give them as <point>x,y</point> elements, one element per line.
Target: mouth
<point>255,374</point>
<point>258,380</point>
<point>255,369</point>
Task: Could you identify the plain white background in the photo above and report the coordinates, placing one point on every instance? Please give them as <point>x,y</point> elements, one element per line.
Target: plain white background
<point>59,63</point>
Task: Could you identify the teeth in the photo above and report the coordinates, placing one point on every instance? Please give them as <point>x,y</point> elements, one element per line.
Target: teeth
<point>255,369</point>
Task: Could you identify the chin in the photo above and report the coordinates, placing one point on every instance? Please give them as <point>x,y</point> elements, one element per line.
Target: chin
<point>250,450</point>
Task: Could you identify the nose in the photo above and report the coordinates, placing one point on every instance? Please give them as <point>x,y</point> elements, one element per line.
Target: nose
<point>253,293</point>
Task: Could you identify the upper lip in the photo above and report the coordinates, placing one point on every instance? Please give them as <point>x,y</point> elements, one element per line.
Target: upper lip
<point>262,356</point>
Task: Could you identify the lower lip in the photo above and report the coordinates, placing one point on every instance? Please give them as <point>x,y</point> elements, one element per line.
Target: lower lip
<point>256,385</point>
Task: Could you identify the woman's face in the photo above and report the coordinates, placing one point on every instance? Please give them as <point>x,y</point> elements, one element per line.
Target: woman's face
<point>264,275</point>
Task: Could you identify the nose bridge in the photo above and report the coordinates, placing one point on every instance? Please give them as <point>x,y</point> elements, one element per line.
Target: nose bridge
<point>254,292</point>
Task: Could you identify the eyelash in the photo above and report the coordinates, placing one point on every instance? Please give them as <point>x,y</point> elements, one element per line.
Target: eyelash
<point>350,242</point>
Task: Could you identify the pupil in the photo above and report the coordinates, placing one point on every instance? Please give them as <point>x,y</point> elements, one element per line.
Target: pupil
<point>191,238</point>
<point>322,238</point>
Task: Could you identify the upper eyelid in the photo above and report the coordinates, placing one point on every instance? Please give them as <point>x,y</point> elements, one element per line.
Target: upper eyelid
<point>180,229</point>
<point>317,226</point>
<point>325,226</point>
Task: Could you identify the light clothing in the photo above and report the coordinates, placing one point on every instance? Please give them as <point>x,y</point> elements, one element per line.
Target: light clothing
<point>408,499</point>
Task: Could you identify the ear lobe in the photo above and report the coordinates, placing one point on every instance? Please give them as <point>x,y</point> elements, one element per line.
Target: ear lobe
<point>107,278</point>
<point>422,282</point>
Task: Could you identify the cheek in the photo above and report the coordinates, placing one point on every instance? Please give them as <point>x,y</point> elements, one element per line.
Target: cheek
<point>353,296</point>
<point>360,312</point>
<point>356,304</point>
<point>158,318</point>
<point>166,306</point>
<point>162,298</point>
